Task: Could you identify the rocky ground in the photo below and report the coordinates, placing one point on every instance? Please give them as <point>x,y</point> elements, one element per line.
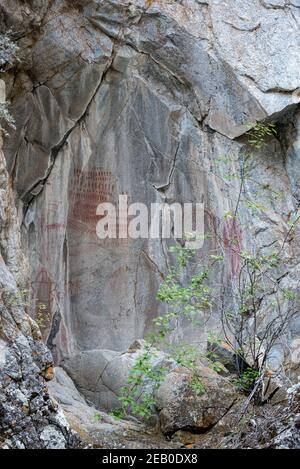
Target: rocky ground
<point>220,418</point>
<point>271,426</point>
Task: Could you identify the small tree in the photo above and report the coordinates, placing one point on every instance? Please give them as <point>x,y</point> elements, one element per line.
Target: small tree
<point>253,320</point>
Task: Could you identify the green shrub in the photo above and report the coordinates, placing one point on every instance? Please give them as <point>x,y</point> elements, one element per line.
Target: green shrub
<point>247,380</point>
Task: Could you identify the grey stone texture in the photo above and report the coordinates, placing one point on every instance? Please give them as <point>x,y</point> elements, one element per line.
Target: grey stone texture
<point>118,97</point>
<point>29,418</point>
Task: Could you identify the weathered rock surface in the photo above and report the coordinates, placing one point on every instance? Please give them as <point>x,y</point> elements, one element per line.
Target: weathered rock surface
<point>263,427</point>
<point>97,428</point>
<point>28,416</point>
<point>178,405</point>
<point>217,419</point>
<point>113,97</point>
<point>182,408</point>
<point>110,371</point>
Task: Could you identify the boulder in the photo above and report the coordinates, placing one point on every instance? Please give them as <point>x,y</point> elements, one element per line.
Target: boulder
<point>97,428</point>
<point>224,354</point>
<point>101,374</point>
<point>178,405</point>
<point>182,408</point>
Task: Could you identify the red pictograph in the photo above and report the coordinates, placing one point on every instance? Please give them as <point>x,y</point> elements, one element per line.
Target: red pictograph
<point>43,287</point>
<point>87,190</point>
<point>45,290</point>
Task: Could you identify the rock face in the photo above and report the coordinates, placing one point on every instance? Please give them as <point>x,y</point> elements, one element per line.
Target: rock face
<point>178,404</point>
<point>29,418</point>
<point>122,97</point>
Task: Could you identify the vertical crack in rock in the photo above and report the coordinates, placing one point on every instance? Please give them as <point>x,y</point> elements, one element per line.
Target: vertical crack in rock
<point>165,187</point>
<point>29,197</point>
<point>115,98</point>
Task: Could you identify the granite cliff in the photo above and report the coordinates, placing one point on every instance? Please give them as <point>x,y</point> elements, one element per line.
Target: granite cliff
<point>139,98</point>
